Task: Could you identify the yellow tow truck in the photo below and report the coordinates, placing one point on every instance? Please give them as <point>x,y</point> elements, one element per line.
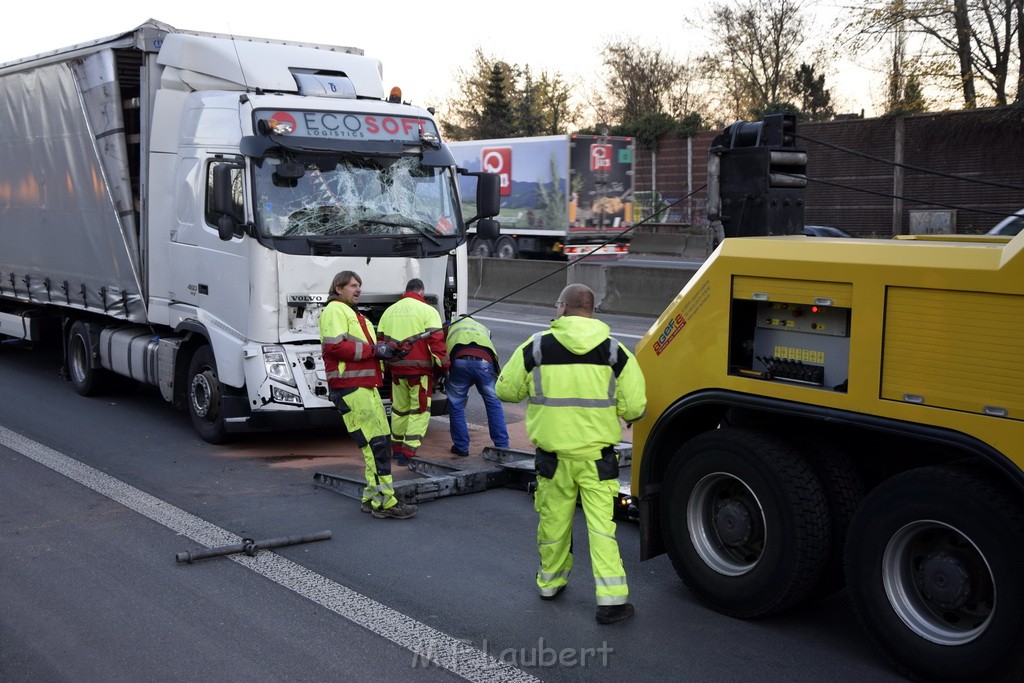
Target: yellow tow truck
<point>830,411</point>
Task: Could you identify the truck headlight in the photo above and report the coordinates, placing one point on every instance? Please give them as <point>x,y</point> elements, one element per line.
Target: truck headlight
<point>280,395</point>
<point>277,365</point>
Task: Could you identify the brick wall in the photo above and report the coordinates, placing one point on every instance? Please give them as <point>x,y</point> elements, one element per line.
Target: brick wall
<point>985,144</point>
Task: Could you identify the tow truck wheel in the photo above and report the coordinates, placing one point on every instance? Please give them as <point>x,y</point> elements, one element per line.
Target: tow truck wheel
<point>933,562</point>
<point>745,521</point>
<point>506,248</point>
<point>844,492</point>
<point>87,380</point>
<point>480,247</point>
<point>205,396</point>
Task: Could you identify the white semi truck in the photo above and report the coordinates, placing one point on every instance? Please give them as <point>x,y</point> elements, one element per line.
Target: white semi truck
<point>174,204</point>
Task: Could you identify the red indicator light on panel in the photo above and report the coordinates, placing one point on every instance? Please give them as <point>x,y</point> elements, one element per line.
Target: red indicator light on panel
<point>814,309</point>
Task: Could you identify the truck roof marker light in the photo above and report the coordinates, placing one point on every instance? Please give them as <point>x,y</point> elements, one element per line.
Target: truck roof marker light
<point>430,139</point>
<point>275,127</point>
<point>396,95</point>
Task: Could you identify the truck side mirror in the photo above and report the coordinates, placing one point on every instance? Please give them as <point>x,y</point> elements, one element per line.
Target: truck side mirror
<point>488,194</point>
<point>226,227</point>
<point>223,201</point>
<point>287,174</point>
<point>488,229</point>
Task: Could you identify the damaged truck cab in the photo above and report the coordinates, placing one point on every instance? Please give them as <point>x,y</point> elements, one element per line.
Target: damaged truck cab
<point>177,204</point>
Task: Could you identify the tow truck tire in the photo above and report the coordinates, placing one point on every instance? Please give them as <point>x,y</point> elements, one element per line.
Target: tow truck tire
<point>480,247</point>
<point>844,490</point>
<point>745,522</point>
<point>506,247</point>
<point>204,396</point>
<point>933,561</point>
<point>87,380</point>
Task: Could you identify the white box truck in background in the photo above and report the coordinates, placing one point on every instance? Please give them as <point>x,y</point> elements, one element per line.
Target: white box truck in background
<point>175,204</point>
<point>562,196</point>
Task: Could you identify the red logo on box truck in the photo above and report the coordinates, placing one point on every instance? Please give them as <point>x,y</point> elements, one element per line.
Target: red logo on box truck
<point>600,157</point>
<point>498,160</point>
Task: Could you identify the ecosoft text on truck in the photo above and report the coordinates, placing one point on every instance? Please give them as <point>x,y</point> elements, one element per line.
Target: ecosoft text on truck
<point>823,410</point>
<point>174,205</point>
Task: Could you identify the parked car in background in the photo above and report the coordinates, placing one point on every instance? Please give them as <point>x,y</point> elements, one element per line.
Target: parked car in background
<point>1009,226</point>
<point>824,231</point>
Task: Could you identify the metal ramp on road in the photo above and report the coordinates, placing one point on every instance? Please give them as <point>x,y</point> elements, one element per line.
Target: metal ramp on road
<point>503,467</point>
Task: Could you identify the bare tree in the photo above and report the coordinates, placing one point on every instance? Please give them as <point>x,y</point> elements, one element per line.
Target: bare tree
<point>638,81</point>
<point>757,53</point>
<point>968,40</point>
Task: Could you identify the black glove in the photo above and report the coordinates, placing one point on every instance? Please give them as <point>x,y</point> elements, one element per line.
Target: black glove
<point>383,350</point>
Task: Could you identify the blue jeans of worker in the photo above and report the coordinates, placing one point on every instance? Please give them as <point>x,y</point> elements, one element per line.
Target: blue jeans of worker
<point>464,373</point>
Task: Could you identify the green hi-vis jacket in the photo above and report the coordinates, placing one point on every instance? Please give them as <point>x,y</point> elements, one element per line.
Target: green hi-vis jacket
<point>468,333</point>
<point>579,381</point>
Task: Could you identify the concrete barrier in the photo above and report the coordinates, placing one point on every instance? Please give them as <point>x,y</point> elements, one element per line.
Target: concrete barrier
<point>493,278</point>
<point>620,289</point>
<point>693,247</point>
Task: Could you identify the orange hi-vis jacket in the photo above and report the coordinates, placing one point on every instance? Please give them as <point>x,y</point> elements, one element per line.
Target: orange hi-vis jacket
<point>408,317</point>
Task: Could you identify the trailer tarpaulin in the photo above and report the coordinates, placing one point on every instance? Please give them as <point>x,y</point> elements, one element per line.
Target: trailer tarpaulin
<point>67,229</point>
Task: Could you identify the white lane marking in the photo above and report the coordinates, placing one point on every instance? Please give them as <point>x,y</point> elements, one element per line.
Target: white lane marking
<point>427,644</point>
<point>547,325</point>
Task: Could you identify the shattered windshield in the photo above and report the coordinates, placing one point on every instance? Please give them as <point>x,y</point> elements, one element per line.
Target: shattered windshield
<point>354,196</point>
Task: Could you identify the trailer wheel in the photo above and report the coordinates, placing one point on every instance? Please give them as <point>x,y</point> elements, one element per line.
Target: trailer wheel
<point>933,564</point>
<point>87,380</point>
<point>506,248</point>
<point>480,247</point>
<point>745,522</point>
<point>205,396</point>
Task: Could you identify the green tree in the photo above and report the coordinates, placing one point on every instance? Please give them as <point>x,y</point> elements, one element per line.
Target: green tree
<point>497,99</point>
<point>497,120</point>
<point>814,99</point>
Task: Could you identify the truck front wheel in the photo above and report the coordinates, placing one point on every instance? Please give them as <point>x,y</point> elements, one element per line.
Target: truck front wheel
<point>933,562</point>
<point>205,397</point>
<point>745,522</point>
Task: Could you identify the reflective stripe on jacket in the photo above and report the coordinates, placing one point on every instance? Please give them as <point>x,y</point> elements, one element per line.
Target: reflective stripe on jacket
<point>405,318</point>
<point>468,333</point>
<point>578,382</point>
<point>347,348</point>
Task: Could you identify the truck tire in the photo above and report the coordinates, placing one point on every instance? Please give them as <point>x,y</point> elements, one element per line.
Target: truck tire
<point>844,490</point>
<point>933,562</point>
<point>480,247</point>
<point>87,380</point>
<point>204,396</point>
<point>506,247</point>
<point>745,522</point>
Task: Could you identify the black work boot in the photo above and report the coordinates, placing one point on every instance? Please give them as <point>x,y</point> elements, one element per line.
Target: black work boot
<point>609,614</point>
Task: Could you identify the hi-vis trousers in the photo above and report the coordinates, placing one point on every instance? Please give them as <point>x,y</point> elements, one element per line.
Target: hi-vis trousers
<point>410,411</point>
<point>363,414</point>
<point>558,483</point>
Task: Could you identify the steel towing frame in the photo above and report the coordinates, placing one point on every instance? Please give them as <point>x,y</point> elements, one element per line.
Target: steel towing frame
<point>510,468</point>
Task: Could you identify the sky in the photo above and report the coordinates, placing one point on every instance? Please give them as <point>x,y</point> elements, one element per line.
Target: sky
<point>422,45</point>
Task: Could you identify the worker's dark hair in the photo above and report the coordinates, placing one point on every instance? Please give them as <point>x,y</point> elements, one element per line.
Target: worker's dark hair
<point>340,280</point>
<point>414,285</point>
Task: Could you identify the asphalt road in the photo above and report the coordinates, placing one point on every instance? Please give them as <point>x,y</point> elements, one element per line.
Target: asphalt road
<point>97,495</point>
